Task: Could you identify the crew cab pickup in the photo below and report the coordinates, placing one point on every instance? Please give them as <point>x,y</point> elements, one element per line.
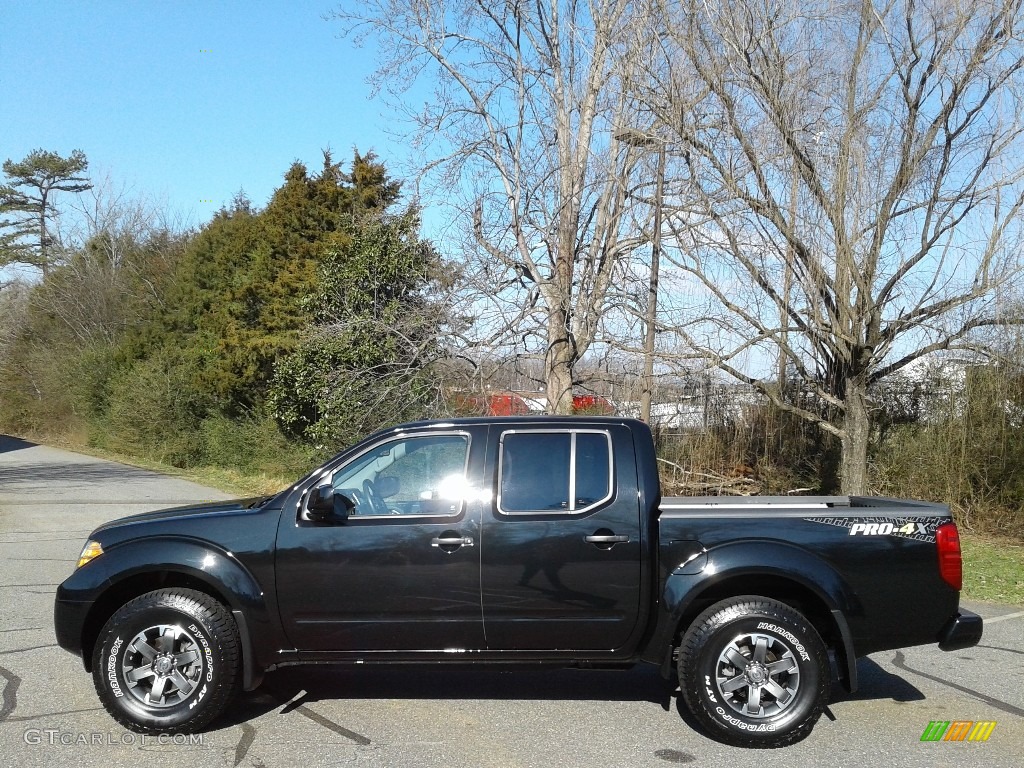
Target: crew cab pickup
<point>510,540</point>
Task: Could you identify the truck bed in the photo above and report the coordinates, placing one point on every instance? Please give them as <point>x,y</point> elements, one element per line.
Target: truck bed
<point>875,556</point>
<point>672,506</point>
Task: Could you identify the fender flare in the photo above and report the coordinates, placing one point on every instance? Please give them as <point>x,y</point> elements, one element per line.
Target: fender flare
<point>216,568</point>
<point>744,561</point>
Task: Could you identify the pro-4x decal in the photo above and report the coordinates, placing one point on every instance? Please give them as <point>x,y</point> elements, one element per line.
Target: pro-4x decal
<point>919,528</point>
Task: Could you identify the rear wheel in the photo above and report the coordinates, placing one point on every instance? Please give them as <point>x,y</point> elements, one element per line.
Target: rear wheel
<point>754,672</point>
<point>167,661</point>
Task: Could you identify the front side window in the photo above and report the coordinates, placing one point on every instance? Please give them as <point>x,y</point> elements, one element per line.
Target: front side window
<point>409,476</point>
<point>566,471</point>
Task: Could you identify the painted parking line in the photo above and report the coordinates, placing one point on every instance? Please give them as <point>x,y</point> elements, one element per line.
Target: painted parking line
<point>1004,617</point>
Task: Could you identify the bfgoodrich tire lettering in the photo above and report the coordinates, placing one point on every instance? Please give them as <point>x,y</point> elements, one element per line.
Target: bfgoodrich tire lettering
<point>167,661</point>
<point>754,672</point>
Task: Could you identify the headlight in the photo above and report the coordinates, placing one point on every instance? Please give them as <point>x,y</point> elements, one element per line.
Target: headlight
<point>91,550</point>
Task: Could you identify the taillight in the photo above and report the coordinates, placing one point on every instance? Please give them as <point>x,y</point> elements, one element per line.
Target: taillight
<point>951,563</point>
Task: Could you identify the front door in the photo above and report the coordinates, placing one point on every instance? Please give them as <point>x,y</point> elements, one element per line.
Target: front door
<point>401,572</point>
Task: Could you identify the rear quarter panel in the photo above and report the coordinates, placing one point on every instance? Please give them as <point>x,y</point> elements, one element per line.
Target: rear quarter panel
<point>875,560</point>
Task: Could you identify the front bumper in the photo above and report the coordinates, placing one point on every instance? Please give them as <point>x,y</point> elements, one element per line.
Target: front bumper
<point>69,620</point>
<point>962,631</point>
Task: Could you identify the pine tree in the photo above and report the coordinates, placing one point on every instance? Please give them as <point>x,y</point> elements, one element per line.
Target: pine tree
<point>29,197</point>
<point>242,295</point>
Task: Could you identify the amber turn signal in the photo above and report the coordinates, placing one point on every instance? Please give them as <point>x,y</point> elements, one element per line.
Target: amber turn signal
<point>91,550</point>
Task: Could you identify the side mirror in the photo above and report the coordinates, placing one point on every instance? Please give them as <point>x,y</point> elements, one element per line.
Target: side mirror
<point>325,504</point>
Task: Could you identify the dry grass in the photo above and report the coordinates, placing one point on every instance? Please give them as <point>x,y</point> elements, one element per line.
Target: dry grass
<point>230,481</point>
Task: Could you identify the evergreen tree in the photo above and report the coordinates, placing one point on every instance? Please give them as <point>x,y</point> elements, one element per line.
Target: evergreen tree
<point>242,294</point>
<point>361,365</point>
<point>29,197</point>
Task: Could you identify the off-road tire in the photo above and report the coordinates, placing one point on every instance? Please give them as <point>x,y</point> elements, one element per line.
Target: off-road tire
<point>748,653</point>
<point>178,643</point>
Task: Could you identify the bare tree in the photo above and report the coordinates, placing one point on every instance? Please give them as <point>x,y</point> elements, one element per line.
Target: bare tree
<point>117,251</point>
<point>525,102</point>
<point>855,171</point>
<point>13,303</point>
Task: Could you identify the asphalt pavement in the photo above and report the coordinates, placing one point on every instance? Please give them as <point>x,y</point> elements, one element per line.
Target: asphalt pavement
<point>420,717</point>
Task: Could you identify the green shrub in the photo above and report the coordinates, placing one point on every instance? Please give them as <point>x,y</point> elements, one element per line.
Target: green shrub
<point>154,411</point>
<point>254,445</point>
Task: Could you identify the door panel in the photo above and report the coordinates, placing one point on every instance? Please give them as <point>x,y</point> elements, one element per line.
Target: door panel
<point>545,586</point>
<point>381,586</point>
<point>402,572</point>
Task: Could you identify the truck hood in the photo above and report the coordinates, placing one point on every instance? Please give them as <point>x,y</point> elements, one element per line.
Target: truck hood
<point>179,513</point>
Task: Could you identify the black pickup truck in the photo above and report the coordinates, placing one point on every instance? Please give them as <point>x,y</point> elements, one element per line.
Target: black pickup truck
<point>504,541</point>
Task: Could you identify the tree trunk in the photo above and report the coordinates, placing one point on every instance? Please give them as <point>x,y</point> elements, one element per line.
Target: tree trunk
<point>558,364</point>
<point>856,436</point>
<point>44,257</point>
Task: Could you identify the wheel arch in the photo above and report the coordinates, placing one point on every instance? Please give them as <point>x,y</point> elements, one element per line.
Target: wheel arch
<point>784,589</point>
<point>785,574</point>
<point>131,587</point>
<point>135,568</point>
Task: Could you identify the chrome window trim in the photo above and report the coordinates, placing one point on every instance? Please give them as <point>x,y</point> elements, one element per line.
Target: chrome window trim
<point>572,432</point>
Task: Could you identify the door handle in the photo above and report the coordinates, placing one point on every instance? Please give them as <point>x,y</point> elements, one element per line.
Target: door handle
<point>598,538</point>
<point>451,543</point>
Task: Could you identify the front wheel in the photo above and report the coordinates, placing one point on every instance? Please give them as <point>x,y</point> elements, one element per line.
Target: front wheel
<point>754,672</point>
<point>167,661</point>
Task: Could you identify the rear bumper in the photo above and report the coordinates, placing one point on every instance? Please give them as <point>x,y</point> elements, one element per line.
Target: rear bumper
<point>962,631</point>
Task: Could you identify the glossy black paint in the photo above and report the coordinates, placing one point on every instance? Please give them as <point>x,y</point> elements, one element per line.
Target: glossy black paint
<point>865,593</point>
<point>227,547</point>
<point>545,587</point>
<point>532,587</point>
<point>962,631</point>
<point>378,583</point>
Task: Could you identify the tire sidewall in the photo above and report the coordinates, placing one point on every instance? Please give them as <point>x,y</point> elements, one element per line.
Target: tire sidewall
<point>108,664</point>
<point>811,659</point>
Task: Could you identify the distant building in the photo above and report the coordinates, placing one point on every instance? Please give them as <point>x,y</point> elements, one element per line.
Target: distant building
<point>524,403</point>
<point>491,404</point>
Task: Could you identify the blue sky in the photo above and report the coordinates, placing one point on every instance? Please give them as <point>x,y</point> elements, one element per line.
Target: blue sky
<point>186,102</point>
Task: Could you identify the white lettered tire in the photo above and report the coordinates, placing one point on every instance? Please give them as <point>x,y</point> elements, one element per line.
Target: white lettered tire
<point>754,672</point>
<point>167,661</point>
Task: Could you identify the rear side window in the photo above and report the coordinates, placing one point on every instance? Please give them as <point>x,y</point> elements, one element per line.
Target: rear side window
<point>565,471</point>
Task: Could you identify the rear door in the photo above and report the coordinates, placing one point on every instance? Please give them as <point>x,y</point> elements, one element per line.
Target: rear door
<point>561,549</point>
